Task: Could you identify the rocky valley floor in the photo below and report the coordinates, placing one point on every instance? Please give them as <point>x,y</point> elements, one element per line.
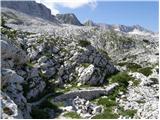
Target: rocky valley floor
<point>67,71</point>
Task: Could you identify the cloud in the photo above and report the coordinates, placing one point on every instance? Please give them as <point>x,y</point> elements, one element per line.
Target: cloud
<point>72,4</point>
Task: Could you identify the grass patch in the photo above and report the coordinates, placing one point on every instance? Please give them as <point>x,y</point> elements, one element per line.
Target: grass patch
<point>106,102</point>
<point>122,78</point>
<point>130,66</point>
<point>72,115</point>
<point>84,43</point>
<point>85,64</point>
<point>145,71</point>
<point>127,113</point>
<point>136,82</point>
<point>107,114</point>
<point>133,66</point>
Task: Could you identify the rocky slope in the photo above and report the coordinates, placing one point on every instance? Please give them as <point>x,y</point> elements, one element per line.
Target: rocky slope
<point>44,63</point>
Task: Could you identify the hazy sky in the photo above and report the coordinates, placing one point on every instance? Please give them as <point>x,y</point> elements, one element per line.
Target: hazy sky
<point>144,13</point>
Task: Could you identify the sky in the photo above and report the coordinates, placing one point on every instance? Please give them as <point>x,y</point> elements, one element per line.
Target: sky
<point>143,13</point>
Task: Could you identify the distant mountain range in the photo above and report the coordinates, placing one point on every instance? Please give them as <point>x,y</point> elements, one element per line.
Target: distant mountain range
<point>41,11</point>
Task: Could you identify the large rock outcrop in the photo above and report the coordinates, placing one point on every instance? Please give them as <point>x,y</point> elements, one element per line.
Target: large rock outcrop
<point>31,8</point>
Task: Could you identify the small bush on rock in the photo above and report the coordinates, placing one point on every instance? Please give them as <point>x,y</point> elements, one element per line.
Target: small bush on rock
<point>122,78</point>
<point>84,43</point>
<point>146,71</point>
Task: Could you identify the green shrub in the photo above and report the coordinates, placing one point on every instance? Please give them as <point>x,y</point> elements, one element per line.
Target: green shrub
<point>84,43</point>
<point>11,34</point>
<point>133,66</point>
<point>122,63</point>
<point>106,102</point>
<point>122,78</point>
<point>85,65</point>
<point>72,115</point>
<point>145,71</point>
<point>136,82</point>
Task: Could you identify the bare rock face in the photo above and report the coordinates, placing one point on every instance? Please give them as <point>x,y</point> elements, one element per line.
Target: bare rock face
<point>12,55</point>
<point>31,8</point>
<point>12,85</point>
<point>9,109</point>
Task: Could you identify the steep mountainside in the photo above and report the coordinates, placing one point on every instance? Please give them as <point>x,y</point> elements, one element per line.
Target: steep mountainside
<point>69,18</point>
<point>52,70</point>
<point>30,8</point>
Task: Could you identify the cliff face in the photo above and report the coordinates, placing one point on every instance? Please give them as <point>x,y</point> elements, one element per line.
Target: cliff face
<point>30,8</point>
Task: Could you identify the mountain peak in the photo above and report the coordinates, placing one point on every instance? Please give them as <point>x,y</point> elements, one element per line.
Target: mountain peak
<point>68,18</point>
<point>89,23</point>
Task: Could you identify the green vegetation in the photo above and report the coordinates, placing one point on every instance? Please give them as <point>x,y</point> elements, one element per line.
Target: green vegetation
<point>72,115</point>
<point>42,75</point>
<point>127,113</point>
<point>107,114</point>
<point>64,50</point>
<point>136,82</point>
<point>48,54</point>
<point>26,89</point>
<point>48,104</point>
<point>145,71</point>
<point>30,64</point>
<point>130,66</point>
<point>122,78</point>
<point>39,114</point>
<point>84,43</point>
<point>11,34</point>
<point>85,64</point>
<point>106,102</point>
<point>40,40</point>
<point>145,40</point>
<point>133,66</point>
<point>140,101</point>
